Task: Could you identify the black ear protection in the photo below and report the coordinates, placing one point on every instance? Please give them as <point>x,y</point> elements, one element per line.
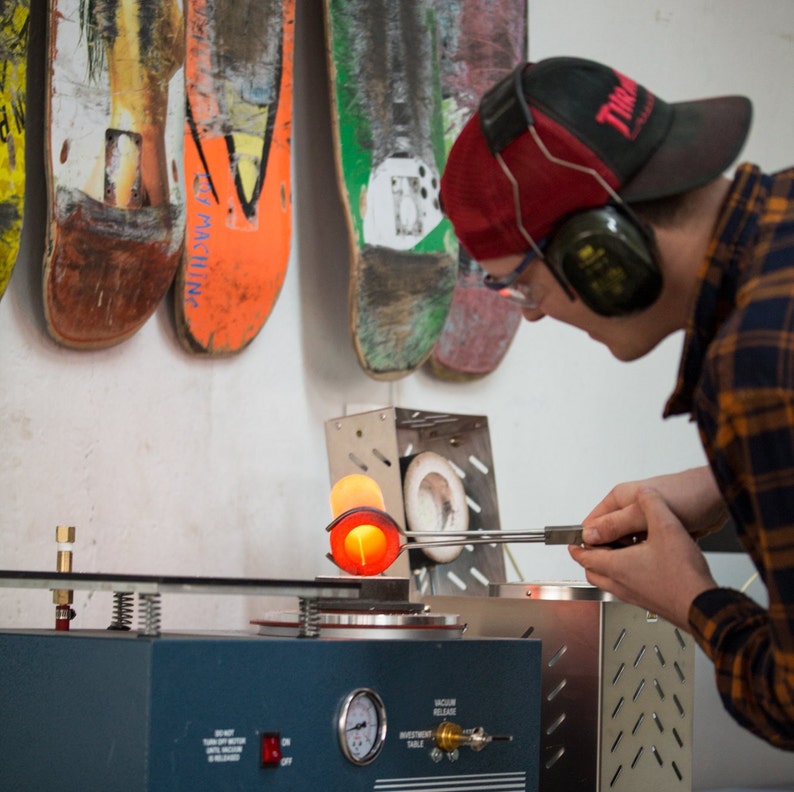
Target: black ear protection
<point>606,256</point>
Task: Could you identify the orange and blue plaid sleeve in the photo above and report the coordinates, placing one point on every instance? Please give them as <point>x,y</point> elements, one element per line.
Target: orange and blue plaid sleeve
<point>743,402</point>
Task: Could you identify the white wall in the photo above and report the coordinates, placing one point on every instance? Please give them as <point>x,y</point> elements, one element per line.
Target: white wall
<point>171,464</point>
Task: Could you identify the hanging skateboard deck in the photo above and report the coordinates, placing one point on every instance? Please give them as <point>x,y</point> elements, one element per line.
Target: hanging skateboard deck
<point>481,41</point>
<point>238,76</point>
<point>14,26</point>
<point>114,124</point>
<point>388,133</point>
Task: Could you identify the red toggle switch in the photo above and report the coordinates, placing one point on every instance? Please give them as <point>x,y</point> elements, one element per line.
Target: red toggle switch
<point>271,749</point>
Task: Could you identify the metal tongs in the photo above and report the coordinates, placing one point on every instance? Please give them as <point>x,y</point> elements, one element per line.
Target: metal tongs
<point>395,541</point>
<point>550,535</point>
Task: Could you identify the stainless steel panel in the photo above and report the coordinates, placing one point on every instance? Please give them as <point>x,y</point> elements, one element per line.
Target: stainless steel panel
<point>617,685</point>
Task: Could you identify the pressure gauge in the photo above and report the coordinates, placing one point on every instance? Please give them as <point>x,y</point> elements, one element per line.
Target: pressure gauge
<point>362,726</point>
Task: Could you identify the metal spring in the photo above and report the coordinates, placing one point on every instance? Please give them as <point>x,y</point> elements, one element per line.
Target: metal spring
<point>309,613</point>
<point>149,614</point>
<point>122,610</point>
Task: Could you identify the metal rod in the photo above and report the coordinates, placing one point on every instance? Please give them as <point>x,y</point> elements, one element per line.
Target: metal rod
<point>461,539</point>
<point>550,535</point>
<point>525,536</point>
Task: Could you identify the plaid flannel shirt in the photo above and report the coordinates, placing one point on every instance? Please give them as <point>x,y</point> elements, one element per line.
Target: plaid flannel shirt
<point>737,380</point>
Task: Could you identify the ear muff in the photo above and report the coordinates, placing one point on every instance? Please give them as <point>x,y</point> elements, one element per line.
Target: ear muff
<point>609,260</point>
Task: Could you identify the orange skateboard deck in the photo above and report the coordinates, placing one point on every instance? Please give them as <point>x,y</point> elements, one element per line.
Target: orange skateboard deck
<point>481,41</point>
<point>14,24</point>
<point>238,74</point>
<point>389,141</point>
<point>114,120</point>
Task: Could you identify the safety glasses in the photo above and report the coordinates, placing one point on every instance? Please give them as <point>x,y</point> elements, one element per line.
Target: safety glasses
<point>523,294</point>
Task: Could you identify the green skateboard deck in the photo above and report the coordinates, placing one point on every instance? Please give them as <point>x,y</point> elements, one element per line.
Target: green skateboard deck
<point>238,75</point>
<point>114,122</point>
<point>481,41</point>
<point>389,137</point>
<point>14,25</point>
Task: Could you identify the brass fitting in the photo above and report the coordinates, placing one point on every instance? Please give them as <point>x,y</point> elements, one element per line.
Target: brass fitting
<point>449,736</point>
<point>64,535</point>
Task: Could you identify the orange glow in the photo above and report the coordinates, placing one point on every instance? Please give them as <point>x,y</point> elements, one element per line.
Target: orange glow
<point>355,491</point>
<point>364,541</point>
<point>366,544</point>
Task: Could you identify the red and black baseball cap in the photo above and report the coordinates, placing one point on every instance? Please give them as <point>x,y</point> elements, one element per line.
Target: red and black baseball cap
<point>590,115</point>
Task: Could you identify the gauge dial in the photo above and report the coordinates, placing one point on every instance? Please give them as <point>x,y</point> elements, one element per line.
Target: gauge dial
<point>362,725</point>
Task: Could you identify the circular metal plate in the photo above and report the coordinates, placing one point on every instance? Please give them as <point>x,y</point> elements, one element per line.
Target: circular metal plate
<point>345,624</point>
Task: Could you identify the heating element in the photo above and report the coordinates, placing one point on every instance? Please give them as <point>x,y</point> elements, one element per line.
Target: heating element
<point>382,443</point>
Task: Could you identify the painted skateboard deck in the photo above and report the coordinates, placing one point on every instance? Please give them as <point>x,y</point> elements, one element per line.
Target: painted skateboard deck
<point>114,123</point>
<point>481,41</point>
<point>238,75</point>
<point>14,26</point>
<point>388,131</point>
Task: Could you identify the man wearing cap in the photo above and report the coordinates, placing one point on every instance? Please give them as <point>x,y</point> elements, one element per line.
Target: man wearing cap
<point>586,198</point>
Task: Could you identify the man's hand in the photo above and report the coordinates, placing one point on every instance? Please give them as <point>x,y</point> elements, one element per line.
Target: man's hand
<point>663,574</point>
<point>692,495</point>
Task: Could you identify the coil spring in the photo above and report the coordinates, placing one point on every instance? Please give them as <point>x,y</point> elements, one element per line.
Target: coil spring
<point>309,613</point>
<point>122,610</point>
<point>149,614</point>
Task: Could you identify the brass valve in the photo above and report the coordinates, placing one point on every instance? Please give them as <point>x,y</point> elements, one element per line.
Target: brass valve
<point>450,736</point>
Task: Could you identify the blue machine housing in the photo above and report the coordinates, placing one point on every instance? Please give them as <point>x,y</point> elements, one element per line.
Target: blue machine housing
<point>85,710</point>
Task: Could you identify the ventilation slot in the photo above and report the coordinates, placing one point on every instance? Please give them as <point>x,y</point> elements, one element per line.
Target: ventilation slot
<point>658,721</point>
<point>657,755</point>
<point>659,689</point>
<point>456,581</point>
<point>637,757</point>
<point>480,465</point>
<point>554,659</point>
<point>473,505</point>
<point>555,758</point>
<point>556,724</point>
<point>554,693</point>
<point>458,471</point>
<point>381,457</point>
<point>639,690</point>
<point>359,463</point>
